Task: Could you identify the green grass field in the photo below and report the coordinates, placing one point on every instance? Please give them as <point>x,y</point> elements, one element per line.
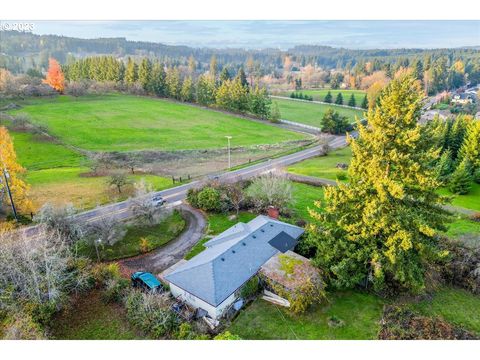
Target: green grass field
<point>468,201</point>
<point>128,123</point>
<point>304,197</point>
<point>319,95</point>
<point>360,312</point>
<point>323,166</point>
<point>311,113</point>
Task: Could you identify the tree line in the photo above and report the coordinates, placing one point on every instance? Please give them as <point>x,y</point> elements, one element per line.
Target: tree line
<point>212,88</point>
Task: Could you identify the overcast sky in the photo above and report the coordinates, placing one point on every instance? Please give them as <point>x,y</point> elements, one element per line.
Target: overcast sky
<point>277,34</point>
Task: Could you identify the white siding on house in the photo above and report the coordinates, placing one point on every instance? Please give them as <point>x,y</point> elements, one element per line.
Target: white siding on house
<point>195,302</point>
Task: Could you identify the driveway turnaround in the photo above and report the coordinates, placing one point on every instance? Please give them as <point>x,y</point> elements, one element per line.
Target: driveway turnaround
<point>162,258</point>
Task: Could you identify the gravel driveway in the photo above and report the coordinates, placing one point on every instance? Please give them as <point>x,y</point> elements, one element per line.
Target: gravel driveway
<point>164,257</point>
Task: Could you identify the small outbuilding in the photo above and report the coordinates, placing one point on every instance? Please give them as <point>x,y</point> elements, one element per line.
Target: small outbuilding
<point>212,280</point>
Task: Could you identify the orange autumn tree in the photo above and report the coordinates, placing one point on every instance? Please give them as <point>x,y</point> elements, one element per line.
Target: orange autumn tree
<point>55,76</point>
<point>8,161</point>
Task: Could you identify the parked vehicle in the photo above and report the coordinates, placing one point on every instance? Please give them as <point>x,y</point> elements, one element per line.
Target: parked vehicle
<point>146,281</point>
<point>158,201</point>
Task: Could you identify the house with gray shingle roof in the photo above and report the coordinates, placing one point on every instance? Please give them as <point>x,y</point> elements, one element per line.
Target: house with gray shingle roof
<point>212,279</point>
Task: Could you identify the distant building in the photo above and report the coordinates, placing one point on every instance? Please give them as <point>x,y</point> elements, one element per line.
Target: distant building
<point>212,280</point>
<point>464,98</point>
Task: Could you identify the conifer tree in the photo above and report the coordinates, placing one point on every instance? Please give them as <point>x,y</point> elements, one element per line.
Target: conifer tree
<point>224,75</point>
<point>158,79</point>
<point>145,75</point>
<point>381,227</point>
<point>186,94</point>
<point>242,77</point>
<point>365,102</point>
<point>352,101</point>
<point>461,180</point>
<point>131,73</point>
<point>328,97</point>
<point>470,149</point>
<point>339,99</point>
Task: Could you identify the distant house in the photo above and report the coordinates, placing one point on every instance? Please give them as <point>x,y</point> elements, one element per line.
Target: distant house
<point>463,98</point>
<point>211,280</point>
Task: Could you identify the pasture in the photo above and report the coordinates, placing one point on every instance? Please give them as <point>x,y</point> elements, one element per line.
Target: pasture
<point>130,123</point>
<point>311,113</point>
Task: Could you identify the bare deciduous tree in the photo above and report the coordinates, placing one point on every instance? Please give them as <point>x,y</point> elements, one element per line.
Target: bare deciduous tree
<point>60,219</point>
<point>36,268</point>
<point>270,190</point>
<point>142,204</point>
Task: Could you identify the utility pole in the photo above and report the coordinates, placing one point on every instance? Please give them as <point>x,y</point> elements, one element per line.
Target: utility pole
<point>7,176</point>
<point>229,158</point>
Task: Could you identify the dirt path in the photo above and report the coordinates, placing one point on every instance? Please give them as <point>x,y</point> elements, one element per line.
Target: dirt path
<point>164,257</point>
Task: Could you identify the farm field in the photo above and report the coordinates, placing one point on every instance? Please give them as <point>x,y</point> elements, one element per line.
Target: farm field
<point>319,94</point>
<point>310,113</point>
<point>129,123</point>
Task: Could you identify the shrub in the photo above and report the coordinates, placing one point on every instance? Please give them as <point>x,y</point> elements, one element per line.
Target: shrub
<point>192,197</point>
<point>144,245</point>
<point>250,288</point>
<point>341,175</point>
<point>151,313</point>
<point>403,324</point>
<point>102,273</point>
<point>115,290</point>
<point>41,314</point>
<point>209,199</point>
<point>226,335</point>
<point>21,326</point>
<point>270,190</point>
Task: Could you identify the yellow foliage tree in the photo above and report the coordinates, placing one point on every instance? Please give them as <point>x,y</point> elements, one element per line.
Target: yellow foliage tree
<point>8,162</point>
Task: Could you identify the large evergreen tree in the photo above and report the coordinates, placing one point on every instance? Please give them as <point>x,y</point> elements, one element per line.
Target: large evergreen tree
<point>382,226</point>
<point>145,75</point>
<point>131,73</point>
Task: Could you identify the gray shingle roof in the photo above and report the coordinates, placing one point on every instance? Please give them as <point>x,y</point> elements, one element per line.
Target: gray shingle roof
<point>231,258</point>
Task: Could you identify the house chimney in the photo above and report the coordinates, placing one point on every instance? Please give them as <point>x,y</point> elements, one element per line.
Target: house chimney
<point>273,212</point>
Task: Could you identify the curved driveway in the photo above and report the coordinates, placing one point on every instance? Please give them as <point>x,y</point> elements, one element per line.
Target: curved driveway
<point>165,256</point>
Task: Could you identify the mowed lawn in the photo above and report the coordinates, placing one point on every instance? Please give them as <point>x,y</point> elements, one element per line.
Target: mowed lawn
<point>319,95</point>
<point>323,166</point>
<point>304,197</point>
<point>360,313</point>
<point>127,123</point>
<point>310,113</point>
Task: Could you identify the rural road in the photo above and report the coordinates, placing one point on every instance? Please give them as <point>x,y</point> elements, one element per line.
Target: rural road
<point>164,257</point>
<point>122,210</point>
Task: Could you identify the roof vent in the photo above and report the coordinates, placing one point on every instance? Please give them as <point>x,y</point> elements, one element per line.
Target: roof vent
<point>254,236</point>
<point>233,251</point>
<point>271,225</point>
<point>223,259</point>
<point>262,230</point>
<point>244,244</point>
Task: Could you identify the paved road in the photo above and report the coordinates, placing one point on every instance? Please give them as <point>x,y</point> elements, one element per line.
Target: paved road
<point>122,210</point>
<point>164,257</point>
